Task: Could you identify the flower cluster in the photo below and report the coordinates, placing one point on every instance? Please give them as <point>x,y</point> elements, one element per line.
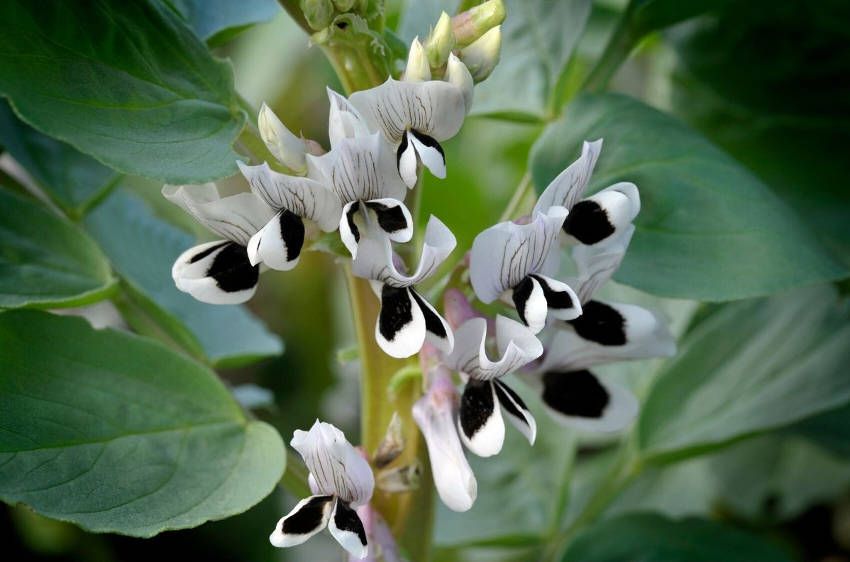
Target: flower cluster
<point>380,139</point>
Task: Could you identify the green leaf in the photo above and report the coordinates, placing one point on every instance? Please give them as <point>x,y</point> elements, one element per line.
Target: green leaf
<point>116,433</point>
<point>71,179</point>
<point>45,261</point>
<point>538,37</point>
<point>142,249</point>
<point>650,15</point>
<point>652,538</point>
<point>126,82</point>
<point>218,21</point>
<point>708,229</point>
<point>747,368</point>
<point>830,430</point>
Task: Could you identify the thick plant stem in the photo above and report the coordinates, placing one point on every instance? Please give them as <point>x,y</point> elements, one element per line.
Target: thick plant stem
<point>619,47</point>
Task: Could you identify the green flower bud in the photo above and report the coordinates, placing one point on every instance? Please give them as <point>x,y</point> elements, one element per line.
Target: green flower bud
<point>344,5</point>
<point>417,69</point>
<point>440,42</point>
<point>470,25</point>
<point>318,13</point>
<point>482,56</point>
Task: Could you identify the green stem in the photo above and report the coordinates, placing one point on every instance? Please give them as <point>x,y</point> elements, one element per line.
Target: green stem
<point>619,46</point>
<point>520,193</point>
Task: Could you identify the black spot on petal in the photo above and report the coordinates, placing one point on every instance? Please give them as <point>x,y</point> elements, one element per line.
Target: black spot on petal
<point>575,393</point>
<point>401,148</point>
<point>349,216</point>
<point>476,406</point>
<point>520,295</point>
<point>554,299</point>
<point>201,255</point>
<point>292,233</point>
<point>429,141</point>
<point>231,269</point>
<point>588,222</point>
<point>390,219</point>
<point>510,400</point>
<point>601,323</point>
<point>346,519</point>
<point>396,311</point>
<point>306,519</point>
<point>433,323</point>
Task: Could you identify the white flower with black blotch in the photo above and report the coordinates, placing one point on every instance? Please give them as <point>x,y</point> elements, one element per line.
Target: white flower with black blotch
<point>341,481</point>
<point>436,414</point>
<point>485,396</point>
<point>406,319</point>
<point>219,272</point>
<point>600,219</point>
<point>417,113</point>
<point>519,260</point>
<point>606,332</point>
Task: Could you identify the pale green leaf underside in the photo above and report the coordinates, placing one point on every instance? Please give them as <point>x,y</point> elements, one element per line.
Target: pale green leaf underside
<point>126,82</point>
<point>118,434</point>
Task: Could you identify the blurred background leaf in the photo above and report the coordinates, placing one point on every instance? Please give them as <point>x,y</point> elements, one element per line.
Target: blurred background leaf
<point>219,21</point>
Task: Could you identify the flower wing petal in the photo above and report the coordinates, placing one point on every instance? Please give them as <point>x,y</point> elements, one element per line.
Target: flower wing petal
<point>400,330</point>
<point>347,528</point>
<point>307,518</point>
<point>278,244</point>
<point>570,184</point>
<point>603,216</point>
<point>516,411</point>
<point>580,399</point>
<point>480,422</point>
<point>216,273</point>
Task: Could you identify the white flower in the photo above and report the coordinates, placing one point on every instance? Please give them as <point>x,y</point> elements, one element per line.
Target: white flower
<point>416,114</point>
<point>601,219</point>
<point>340,480</point>
<point>406,319</point>
<point>485,396</point>
<point>521,259</point>
<point>435,414</point>
<point>219,272</point>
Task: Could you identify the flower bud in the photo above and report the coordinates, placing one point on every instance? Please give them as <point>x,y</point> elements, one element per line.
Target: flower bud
<point>318,13</point>
<point>417,69</point>
<point>440,42</point>
<point>470,25</point>
<point>482,56</point>
<point>344,5</point>
<point>458,75</point>
<point>280,141</point>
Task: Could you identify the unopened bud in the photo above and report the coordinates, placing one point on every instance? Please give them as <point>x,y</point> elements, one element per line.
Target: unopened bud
<point>318,13</point>
<point>280,141</point>
<point>417,69</point>
<point>483,55</point>
<point>458,75</point>
<point>400,479</point>
<point>470,25</point>
<point>344,5</point>
<point>441,41</point>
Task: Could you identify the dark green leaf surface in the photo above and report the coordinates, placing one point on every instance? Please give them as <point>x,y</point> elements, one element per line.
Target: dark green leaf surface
<point>117,433</point>
<point>652,538</point>
<point>216,21</point>
<point>45,261</point>
<point>750,367</point>
<point>708,229</point>
<point>650,15</point>
<point>126,82</point>
<point>71,179</point>
<point>142,249</point>
<point>538,37</point>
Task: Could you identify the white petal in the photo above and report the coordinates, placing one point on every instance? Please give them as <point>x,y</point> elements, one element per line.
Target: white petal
<point>515,343</point>
<point>304,197</point>
<point>400,330</point>
<point>458,75</point>
<point>406,161</point>
<point>596,264</point>
<point>561,300</point>
<point>374,258</point>
<point>435,415</point>
<point>530,302</point>
<point>516,411</point>
<point>482,55</point>
<point>430,152</point>
<point>434,107</point>
<point>609,332</point>
<point>236,217</point>
<point>603,216</point>
<point>569,185</point>
<point>308,517</point>
<point>393,218</point>
<point>344,121</point>
<point>417,69</point>
<point>347,529</point>
<point>285,146</point>
<point>362,167</point>
<point>216,273</point>
<point>437,330</point>
<point>582,400</point>
<point>504,254</point>
<point>278,244</point>
<point>336,466</point>
<point>480,422</point>
<point>349,232</point>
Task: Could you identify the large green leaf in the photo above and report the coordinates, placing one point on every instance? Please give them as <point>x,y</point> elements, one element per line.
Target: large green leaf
<point>708,229</point>
<point>648,15</point>
<point>538,37</point>
<point>116,433</point>
<point>216,21</point>
<point>71,179</point>
<point>750,367</point>
<point>45,261</point>
<point>142,249</point>
<point>653,538</point>
<point>126,82</point>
